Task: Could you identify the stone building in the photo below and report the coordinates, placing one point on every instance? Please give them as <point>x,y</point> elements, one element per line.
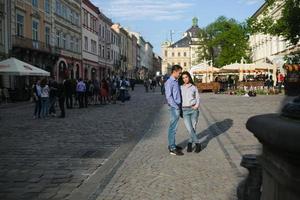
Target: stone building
<point>90,24</point>
<point>267,48</point>
<point>5,16</point>
<point>66,36</point>
<point>157,62</point>
<point>115,47</point>
<point>31,25</point>
<point>184,51</point>
<point>123,34</point>
<point>149,58</point>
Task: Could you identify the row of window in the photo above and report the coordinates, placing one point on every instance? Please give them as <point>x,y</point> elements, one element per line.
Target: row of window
<point>67,13</point>
<point>93,20</point>
<point>67,42</point>
<point>181,64</point>
<point>93,45</point>
<point>108,54</point>
<point>178,54</point>
<point>62,40</point>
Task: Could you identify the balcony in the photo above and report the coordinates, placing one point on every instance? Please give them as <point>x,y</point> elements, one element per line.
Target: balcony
<point>27,43</point>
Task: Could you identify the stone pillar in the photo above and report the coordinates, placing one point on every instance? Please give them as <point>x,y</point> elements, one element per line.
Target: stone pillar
<point>280,159</point>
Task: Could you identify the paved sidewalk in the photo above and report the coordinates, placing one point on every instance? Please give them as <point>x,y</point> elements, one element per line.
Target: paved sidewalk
<point>149,172</point>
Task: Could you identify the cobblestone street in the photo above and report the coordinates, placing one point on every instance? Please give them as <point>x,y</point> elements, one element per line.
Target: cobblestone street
<point>120,152</point>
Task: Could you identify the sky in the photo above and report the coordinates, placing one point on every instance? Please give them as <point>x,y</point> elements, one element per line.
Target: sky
<point>154,19</point>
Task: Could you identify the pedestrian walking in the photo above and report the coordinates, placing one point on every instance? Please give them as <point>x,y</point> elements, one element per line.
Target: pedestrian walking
<point>162,85</point>
<point>113,91</point>
<point>96,91</point>
<point>132,84</point>
<point>44,98</point>
<point>81,89</point>
<point>190,109</point>
<point>52,98</point>
<point>68,85</point>
<point>173,97</point>
<point>123,87</point>
<point>146,85</point>
<point>36,89</point>
<point>86,94</point>
<point>61,99</point>
<point>104,91</point>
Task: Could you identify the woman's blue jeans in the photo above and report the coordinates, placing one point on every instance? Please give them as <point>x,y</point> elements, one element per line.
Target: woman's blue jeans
<point>45,107</point>
<point>190,117</point>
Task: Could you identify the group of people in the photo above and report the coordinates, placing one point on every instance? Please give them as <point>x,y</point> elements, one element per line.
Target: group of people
<point>183,100</point>
<point>80,93</point>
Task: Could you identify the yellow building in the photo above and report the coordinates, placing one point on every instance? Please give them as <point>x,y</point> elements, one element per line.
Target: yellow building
<point>183,52</point>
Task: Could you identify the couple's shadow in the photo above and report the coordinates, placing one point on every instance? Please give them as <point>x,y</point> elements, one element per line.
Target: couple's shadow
<point>211,132</point>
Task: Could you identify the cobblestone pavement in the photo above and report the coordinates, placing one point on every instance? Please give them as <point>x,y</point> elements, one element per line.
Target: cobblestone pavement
<point>55,158</point>
<point>149,172</point>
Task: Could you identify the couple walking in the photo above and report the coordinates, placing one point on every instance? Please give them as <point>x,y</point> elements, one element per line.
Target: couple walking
<point>183,100</point>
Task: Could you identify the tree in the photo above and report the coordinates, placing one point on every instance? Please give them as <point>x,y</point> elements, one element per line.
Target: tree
<point>224,41</point>
<point>287,25</point>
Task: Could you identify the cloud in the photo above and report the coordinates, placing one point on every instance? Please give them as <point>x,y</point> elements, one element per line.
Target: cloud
<point>145,9</point>
<point>251,2</point>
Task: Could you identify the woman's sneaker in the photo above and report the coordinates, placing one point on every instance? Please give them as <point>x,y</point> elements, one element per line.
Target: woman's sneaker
<point>176,152</point>
<point>198,148</point>
<point>189,147</point>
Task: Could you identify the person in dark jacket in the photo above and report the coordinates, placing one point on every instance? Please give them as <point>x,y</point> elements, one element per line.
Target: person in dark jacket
<point>69,93</point>
<point>61,99</point>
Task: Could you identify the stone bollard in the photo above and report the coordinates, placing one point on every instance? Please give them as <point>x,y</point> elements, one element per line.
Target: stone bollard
<point>280,159</point>
<point>250,188</point>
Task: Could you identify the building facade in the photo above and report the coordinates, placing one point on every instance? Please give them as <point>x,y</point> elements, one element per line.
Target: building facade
<point>157,63</point>
<point>149,58</point>
<point>5,16</point>
<point>67,38</point>
<point>267,48</point>
<point>90,41</point>
<point>183,52</point>
<point>123,34</point>
<point>115,47</point>
<point>31,25</point>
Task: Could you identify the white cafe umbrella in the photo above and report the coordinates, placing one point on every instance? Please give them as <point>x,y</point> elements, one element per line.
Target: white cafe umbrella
<point>13,66</point>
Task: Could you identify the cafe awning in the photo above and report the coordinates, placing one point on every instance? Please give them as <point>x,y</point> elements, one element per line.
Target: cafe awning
<point>15,67</point>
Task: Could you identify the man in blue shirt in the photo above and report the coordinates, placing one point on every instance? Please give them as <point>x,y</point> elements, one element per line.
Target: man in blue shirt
<point>173,96</point>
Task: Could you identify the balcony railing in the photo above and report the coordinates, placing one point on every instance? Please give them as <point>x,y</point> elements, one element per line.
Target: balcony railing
<point>18,41</point>
<point>27,43</point>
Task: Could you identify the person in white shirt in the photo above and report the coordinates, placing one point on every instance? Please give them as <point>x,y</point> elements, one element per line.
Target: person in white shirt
<point>44,98</point>
<point>190,109</point>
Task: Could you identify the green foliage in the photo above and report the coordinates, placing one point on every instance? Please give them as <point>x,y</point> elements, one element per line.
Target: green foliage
<point>224,41</point>
<point>288,25</point>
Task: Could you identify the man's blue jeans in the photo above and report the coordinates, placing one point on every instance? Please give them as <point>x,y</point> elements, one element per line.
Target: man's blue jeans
<point>190,117</point>
<point>174,118</point>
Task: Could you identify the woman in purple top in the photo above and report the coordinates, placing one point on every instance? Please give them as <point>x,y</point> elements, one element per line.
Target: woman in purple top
<point>190,109</point>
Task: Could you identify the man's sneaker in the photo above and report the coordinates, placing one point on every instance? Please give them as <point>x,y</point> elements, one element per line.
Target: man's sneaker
<point>189,147</point>
<point>198,148</point>
<point>176,152</point>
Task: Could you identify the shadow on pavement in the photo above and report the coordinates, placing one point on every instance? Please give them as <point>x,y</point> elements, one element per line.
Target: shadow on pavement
<point>211,132</point>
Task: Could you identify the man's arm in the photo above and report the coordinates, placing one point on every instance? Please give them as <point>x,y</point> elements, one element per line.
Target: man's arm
<point>169,96</point>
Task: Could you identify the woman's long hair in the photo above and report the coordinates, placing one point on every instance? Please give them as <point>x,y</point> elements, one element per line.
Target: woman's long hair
<point>190,78</point>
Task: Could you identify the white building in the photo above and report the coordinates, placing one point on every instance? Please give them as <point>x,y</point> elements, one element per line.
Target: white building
<point>267,48</point>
